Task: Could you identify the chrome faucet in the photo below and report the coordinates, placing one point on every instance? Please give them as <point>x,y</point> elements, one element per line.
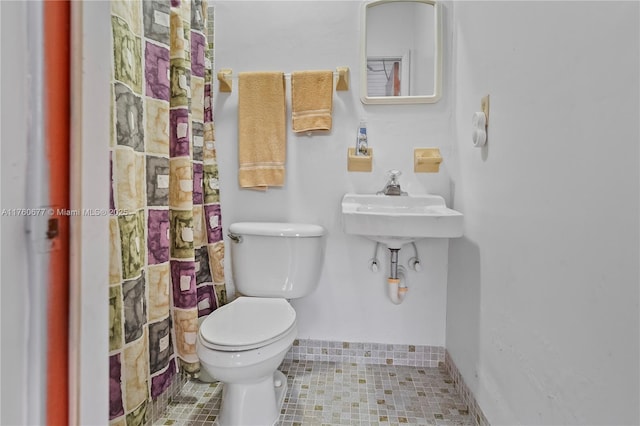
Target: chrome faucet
<point>393,186</point>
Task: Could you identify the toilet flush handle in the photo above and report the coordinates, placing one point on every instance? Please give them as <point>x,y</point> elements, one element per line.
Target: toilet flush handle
<point>235,237</point>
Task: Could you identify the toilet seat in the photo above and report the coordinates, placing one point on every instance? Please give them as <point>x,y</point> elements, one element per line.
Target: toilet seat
<point>247,323</point>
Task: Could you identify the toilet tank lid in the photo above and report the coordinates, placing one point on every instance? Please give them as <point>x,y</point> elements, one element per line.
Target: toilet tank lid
<point>277,229</point>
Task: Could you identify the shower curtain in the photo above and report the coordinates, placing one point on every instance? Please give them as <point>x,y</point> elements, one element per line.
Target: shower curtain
<point>167,252</point>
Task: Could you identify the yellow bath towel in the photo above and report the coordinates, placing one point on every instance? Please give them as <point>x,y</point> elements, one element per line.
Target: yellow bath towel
<point>312,100</point>
<point>262,136</point>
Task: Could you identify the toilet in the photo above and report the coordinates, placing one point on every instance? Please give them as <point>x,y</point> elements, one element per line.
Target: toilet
<point>242,343</point>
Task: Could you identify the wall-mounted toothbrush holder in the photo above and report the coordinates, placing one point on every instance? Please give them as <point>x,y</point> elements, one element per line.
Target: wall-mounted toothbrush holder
<point>359,163</point>
<point>426,160</point>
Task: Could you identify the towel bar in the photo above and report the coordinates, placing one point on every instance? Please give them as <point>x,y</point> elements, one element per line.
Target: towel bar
<point>226,77</point>
<point>343,78</point>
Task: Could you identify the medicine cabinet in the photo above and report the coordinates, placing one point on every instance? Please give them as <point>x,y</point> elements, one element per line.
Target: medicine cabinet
<point>401,52</point>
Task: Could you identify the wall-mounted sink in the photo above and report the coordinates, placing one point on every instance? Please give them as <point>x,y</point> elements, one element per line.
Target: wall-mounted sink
<point>397,220</point>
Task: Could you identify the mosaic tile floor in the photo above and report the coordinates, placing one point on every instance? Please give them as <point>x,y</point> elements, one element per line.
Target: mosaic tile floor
<point>334,393</point>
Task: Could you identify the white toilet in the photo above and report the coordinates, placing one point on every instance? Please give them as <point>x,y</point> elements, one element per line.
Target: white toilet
<point>242,343</point>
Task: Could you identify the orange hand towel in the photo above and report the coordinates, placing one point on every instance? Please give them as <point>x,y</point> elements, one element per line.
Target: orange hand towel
<point>262,136</point>
<point>311,100</point>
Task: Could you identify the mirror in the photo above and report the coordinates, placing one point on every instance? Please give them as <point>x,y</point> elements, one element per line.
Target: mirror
<point>401,52</point>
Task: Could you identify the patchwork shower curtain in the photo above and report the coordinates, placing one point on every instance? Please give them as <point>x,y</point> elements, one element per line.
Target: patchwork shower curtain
<point>167,252</point>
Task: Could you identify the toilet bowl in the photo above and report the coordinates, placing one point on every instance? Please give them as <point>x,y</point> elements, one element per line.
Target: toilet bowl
<point>242,343</point>
<point>202,375</point>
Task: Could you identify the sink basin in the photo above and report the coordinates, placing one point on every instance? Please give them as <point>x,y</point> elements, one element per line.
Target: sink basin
<point>398,220</point>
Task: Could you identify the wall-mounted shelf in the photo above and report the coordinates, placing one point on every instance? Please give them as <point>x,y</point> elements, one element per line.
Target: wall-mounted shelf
<point>226,77</point>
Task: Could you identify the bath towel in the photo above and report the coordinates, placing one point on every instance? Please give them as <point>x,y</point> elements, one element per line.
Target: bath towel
<point>262,136</point>
<point>311,100</point>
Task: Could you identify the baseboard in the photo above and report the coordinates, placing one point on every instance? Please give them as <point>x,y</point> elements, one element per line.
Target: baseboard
<point>467,396</point>
<point>366,353</point>
<point>160,404</point>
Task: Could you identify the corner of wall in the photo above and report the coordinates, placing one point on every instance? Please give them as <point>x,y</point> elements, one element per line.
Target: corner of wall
<point>467,396</point>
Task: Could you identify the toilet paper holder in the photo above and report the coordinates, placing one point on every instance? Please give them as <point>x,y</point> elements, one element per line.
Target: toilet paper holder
<point>426,160</point>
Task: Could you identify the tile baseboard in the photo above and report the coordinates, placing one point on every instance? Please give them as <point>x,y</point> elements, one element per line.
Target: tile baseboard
<point>467,396</point>
<point>366,353</point>
<point>159,405</point>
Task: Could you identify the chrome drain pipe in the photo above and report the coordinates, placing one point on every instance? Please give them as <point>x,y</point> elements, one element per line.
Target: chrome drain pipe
<point>397,285</point>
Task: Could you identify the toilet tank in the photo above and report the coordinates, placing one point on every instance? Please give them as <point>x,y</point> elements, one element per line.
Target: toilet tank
<point>273,259</point>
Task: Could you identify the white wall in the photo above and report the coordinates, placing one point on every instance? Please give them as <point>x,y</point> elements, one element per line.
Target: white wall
<point>89,347</point>
<point>15,93</point>
<point>350,303</point>
<point>542,314</point>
